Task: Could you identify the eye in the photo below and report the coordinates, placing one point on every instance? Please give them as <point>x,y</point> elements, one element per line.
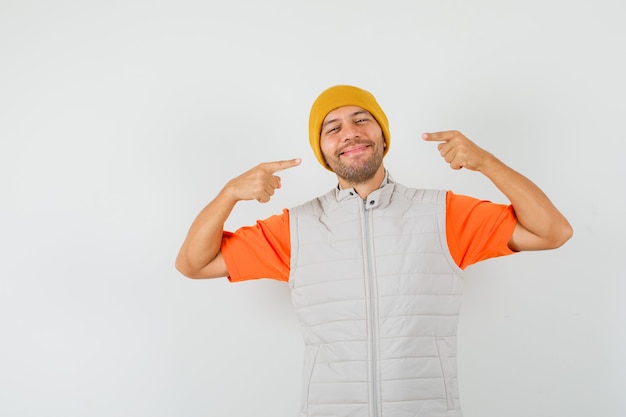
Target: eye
<point>332,129</point>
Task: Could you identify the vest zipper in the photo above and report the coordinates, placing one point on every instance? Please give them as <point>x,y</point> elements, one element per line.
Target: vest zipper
<point>373,329</point>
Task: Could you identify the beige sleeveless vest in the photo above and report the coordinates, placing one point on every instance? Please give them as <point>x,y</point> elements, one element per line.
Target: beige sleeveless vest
<point>378,296</point>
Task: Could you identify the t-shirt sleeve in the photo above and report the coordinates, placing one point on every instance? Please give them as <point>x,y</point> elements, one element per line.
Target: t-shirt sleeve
<point>259,251</point>
<point>477,229</point>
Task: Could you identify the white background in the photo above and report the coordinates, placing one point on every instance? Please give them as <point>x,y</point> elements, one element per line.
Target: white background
<point>120,120</point>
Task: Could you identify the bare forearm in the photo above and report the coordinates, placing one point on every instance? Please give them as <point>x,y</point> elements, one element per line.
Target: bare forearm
<point>534,210</point>
<point>204,238</point>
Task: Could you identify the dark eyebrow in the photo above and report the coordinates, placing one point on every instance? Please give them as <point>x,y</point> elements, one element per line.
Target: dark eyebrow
<point>356,113</point>
<point>327,122</point>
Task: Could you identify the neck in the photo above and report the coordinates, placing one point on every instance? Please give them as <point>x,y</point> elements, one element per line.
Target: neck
<point>364,189</point>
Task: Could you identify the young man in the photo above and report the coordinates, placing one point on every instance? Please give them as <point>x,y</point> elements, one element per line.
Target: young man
<point>375,268</point>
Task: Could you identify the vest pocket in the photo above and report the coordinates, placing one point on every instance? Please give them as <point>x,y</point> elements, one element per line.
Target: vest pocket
<point>310,358</point>
<point>447,371</point>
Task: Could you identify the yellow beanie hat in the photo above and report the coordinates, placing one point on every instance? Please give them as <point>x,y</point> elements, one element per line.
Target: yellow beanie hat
<point>339,96</point>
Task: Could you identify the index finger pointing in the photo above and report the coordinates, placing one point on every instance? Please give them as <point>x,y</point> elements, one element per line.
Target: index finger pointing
<point>276,166</point>
<point>439,136</point>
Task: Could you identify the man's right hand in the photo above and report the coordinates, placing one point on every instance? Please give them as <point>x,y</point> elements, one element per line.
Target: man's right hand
<point>200,255</point>
<point>259,183</point>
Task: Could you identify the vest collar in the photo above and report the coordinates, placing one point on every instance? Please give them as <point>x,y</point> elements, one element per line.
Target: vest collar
<point>376,198</point>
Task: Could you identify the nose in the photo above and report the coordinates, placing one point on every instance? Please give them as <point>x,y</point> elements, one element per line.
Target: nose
<point>350,132</point>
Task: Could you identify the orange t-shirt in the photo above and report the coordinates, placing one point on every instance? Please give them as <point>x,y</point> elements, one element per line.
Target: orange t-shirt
<point>475,230</point>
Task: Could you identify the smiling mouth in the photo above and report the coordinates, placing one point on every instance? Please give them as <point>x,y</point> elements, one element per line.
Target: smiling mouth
<point>354,150</point>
